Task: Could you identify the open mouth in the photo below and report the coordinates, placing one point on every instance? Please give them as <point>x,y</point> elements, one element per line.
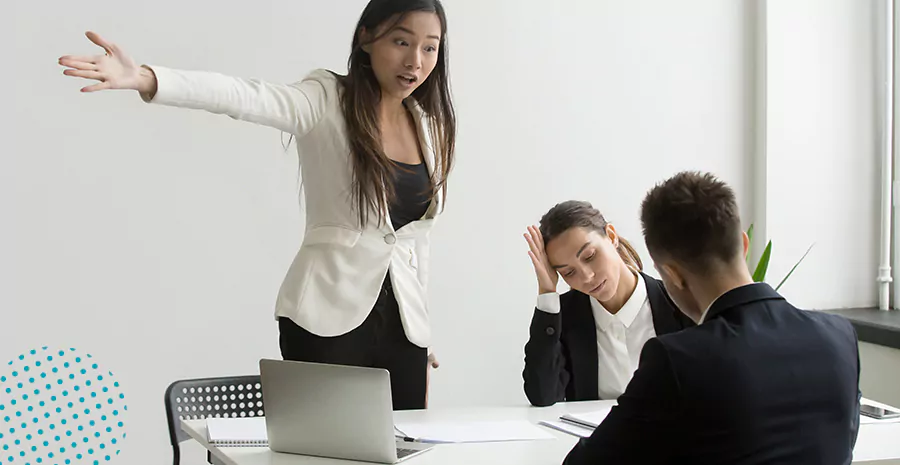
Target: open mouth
<point>407,79</point>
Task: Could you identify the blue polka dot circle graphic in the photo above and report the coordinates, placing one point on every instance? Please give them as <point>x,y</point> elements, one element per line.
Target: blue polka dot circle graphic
<point>58,406</point>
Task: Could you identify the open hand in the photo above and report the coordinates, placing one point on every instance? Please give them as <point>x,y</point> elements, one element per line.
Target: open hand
<point>114,70</point>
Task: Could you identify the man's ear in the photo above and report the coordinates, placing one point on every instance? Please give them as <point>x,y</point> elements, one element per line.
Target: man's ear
<point>674,274</point>
<point>746,240</point>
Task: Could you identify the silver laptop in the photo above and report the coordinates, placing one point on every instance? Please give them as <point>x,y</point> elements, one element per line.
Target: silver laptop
<point>332,411</point>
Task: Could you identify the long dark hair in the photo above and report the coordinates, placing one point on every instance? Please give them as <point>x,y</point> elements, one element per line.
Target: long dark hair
<point>575,213</point>
<point>372,169</point>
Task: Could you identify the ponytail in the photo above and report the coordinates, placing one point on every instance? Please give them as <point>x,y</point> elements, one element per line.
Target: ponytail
<point>629,255</point>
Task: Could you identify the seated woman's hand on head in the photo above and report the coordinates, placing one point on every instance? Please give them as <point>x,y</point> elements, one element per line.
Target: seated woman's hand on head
<point>576,242</point>
<point>547,277</point>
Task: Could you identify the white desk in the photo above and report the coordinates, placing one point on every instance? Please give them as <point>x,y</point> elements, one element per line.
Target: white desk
<point>876,443</point>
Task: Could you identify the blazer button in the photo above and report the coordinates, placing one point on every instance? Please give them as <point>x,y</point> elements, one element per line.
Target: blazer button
<point>390,239</point>
<point>550,331</point>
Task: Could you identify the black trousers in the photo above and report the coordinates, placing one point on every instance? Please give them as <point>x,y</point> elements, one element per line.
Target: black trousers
<point>379,342</point>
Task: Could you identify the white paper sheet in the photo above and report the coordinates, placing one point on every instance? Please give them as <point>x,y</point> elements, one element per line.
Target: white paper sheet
<point>472,431</point>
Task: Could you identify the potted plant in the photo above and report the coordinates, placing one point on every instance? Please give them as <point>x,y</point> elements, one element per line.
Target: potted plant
<point>759,271</point>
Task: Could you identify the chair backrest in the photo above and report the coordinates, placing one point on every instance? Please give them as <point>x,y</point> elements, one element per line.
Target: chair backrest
<point>194,399</point>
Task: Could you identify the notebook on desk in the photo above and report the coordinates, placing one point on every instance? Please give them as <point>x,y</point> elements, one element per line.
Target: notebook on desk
<point>237,432</point>
<point>586,420</point>
<point>580,424</point>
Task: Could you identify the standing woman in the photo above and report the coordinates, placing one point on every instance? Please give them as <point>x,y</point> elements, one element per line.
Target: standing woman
<point>375,148</point>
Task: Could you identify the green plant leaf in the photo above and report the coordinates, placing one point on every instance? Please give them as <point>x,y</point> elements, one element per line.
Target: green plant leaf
<point>794,267</point>
<point>750,241</point>
<point>760,274</point>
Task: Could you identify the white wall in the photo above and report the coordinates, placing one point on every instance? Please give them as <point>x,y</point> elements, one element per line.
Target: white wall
<point>587,100</point>
<point>879,377</point>
<point>821,151</point>
<point>157,238</point>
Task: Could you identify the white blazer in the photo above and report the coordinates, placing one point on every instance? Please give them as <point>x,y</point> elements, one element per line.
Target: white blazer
<point>336,276</point>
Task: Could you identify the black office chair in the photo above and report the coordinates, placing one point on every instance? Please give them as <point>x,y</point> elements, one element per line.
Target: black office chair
<point>197,399</point>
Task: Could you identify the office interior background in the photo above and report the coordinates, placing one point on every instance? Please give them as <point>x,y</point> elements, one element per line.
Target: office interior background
<point>156,239</point>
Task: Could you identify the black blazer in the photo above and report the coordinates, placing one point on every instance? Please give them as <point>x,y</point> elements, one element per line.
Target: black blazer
<point>758,382</point>
<point>561,353</point>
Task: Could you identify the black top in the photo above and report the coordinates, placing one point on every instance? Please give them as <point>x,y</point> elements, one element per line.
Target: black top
<point>759,382</point>
<point>561,354</point>
<point>412,186</point>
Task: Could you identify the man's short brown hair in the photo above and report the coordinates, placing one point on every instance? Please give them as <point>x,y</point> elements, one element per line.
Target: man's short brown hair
<point>692,218</point>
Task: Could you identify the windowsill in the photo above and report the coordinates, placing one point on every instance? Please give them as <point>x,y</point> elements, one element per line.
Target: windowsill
<point>874,326</point>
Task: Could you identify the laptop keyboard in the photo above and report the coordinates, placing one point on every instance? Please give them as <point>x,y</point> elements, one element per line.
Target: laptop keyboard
<point>404,452</point>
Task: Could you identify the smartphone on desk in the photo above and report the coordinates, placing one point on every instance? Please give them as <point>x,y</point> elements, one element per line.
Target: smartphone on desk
<point>878,412</point>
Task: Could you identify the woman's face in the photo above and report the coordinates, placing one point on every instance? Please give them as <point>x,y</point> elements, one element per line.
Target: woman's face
<point>404,57</point>
<point>587,260</point>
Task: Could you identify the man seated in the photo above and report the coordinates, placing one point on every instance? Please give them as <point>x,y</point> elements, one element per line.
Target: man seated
<point>757,381</point>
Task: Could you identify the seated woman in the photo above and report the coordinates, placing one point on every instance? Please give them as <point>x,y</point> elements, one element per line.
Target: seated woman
<point>585,344</point>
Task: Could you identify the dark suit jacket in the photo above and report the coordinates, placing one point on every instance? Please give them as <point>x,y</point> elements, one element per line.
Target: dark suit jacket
<point>561,353</point>
<point>758,382</point>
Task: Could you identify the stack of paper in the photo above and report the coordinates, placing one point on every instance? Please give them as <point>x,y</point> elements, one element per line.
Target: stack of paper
<point>588,420</point>
<point>579,425</point>
<point>568,428</point>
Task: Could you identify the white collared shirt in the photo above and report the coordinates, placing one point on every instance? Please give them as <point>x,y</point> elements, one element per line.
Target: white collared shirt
<point>620,337</point>
<point>703,315</point>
